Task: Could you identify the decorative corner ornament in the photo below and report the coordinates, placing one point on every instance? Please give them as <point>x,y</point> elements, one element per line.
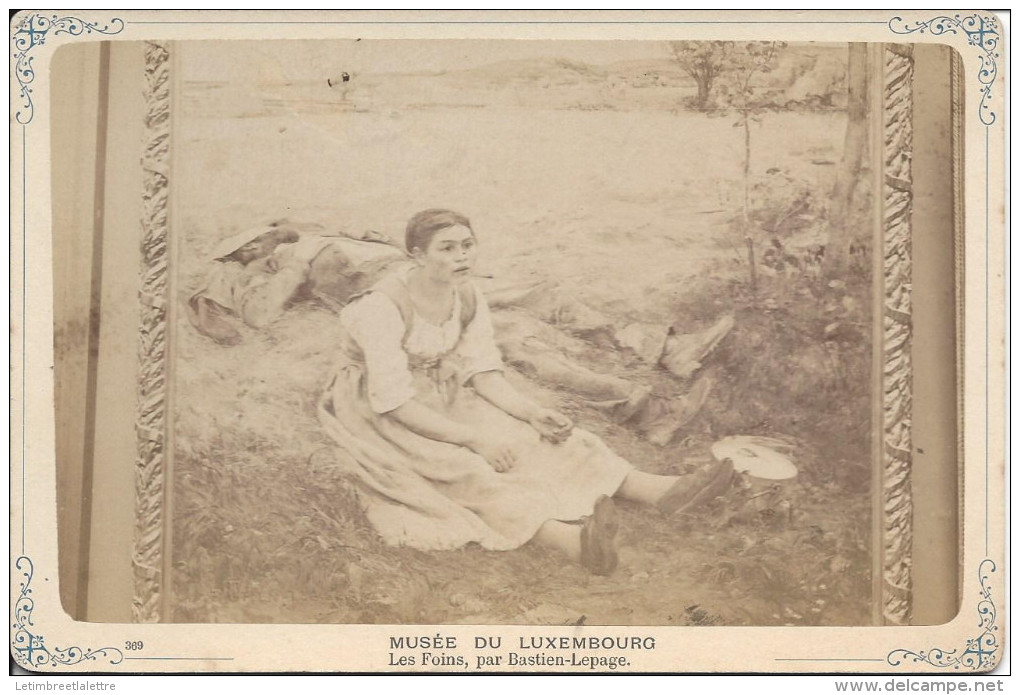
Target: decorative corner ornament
<point>30,649</point>
<point>31,32</point>
<point>982,32</point>
<point>978,652</point>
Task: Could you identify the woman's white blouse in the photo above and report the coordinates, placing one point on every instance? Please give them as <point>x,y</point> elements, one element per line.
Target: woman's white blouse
<point>375,323</point>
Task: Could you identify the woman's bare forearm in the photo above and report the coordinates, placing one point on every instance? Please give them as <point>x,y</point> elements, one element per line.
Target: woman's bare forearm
<point>493,387</point>
<point>423,420</point>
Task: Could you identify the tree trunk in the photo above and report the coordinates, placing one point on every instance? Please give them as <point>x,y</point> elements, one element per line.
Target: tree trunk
<point>747,173</point>
<point>704,86</point>
<point>748,238</point>
<point>841,227</point>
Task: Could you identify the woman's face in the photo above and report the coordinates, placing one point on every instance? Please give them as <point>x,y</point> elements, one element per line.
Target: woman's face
<point>450,256</point>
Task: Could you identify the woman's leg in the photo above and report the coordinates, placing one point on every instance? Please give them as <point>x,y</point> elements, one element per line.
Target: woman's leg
<point>678,493</point>
<point>646,488</point>
<point>592,543</point>
<point>564,537</point>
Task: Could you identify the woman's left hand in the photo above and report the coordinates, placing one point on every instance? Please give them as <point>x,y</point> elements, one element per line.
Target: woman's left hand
<point>552,425</point>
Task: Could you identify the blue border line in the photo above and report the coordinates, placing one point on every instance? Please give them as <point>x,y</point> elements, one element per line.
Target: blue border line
<point>987,349</point>
<point>24,324</point>
<point>510,22</point>
<point>24,263</point>
<point>181,658</point>
<point>829,659</point>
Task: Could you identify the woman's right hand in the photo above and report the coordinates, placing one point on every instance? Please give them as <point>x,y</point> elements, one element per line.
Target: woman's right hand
<point>499,452</point>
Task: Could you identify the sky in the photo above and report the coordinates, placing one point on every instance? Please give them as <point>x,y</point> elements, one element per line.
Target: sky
<point>304,60</point>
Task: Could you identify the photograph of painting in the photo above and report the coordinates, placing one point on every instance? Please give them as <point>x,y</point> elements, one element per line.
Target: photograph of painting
<point>377,334</point>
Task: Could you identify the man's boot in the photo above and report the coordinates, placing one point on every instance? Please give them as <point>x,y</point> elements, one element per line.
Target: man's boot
<point>662,418</point>
<point>684,354</point>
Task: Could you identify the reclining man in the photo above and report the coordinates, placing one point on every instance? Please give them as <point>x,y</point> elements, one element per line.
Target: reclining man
<point>258,273</point>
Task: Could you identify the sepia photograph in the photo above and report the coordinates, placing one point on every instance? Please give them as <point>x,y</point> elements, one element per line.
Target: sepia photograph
<point>596,335</point>
<point>541,334</point>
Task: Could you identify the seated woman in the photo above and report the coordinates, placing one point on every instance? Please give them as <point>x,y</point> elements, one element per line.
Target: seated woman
<point>447,451</point>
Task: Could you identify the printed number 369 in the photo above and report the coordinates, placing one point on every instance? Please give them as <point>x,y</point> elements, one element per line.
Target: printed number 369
<point>134,646</point>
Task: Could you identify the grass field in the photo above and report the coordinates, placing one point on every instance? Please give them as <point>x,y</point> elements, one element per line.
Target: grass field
<point>631,210</point>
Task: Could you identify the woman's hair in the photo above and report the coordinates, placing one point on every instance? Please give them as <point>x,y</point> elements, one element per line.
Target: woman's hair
<point>423,226</point>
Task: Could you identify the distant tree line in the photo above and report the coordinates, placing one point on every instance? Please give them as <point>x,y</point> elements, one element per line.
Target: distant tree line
<point>723,72</point>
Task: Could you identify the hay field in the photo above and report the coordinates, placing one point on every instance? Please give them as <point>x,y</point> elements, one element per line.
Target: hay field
<point>624,202</point>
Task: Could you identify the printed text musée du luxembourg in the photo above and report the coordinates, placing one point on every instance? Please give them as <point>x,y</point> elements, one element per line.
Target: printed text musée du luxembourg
<point>592,652</point>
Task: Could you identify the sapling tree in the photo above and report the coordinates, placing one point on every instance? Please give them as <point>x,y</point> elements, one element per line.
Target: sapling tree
<point>738,93</point>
